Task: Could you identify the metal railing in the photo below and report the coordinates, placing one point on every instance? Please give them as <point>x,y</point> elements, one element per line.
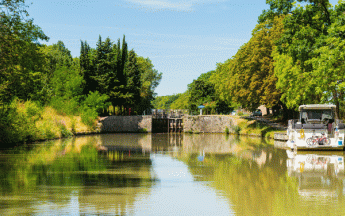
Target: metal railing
<point>169,113</point>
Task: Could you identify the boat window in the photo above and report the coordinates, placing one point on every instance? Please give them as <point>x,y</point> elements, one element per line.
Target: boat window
<point>320,115</point>
<point>315,114</point>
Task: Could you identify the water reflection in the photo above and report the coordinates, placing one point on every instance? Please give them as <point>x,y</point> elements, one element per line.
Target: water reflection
<point>72,174</point>
<point>317,174</point>
<point>169,174</point>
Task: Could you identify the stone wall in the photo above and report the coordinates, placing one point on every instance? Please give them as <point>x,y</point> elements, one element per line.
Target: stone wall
<point>117,124</point>
<point>202,124</point>
<point>207,124</point>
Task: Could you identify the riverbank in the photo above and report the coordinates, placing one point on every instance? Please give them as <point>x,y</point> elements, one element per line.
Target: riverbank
<point>256,126</point>
<point>27,122</point>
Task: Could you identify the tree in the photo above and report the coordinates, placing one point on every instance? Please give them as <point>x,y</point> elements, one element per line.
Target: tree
<point>329,65</point>
<point>103,65</point>
<point>248,77</point>
<point>164,102</point>
<point>20,57</point>
<point>86,68</point>
<point>133,81</point>
<point>306,30</point>
<point>149,79</point>
<point>118,82</point>
<point>182,102</point>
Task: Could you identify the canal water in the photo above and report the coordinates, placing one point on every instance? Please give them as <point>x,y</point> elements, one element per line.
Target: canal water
<point>169,174</point>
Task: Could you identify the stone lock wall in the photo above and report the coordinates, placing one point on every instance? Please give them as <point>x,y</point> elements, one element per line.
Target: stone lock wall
<point>117,124</point>
<point>207,124</point>
<point>195,124</point>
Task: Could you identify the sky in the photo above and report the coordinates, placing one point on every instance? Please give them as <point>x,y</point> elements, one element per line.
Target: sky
<point>182,38</point>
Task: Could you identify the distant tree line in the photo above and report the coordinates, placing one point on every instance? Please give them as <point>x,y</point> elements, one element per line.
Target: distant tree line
<point>200,92</point>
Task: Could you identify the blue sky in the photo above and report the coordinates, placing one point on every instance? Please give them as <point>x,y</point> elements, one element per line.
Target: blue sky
<point>183,38</point>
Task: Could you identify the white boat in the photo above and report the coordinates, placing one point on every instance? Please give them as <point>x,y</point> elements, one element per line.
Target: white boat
<point>316,129</point>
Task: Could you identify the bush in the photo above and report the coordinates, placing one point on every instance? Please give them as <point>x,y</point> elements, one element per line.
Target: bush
<point>142,130</point>
<point>88,117</point>
<point>33,111</point>
<point>96,101</point>
<point>63,129</point>
<point>227,130</point>
<point>17,121</point>
<point>236,129</point>
<point>65,106</point>
<point>73,125</point>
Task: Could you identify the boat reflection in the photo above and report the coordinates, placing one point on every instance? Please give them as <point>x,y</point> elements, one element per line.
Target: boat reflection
<point>317,174</point>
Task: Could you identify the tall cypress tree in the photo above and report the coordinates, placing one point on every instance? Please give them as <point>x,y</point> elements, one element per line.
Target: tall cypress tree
<point>133,81</point>
<point>86,68</point>
<point>103,65</point>
<point>118,92</point>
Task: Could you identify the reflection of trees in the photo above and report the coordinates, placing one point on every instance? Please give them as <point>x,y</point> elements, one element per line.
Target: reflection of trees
<point>256,183</point>
<point>73,167</point>
<point>255,189</point>
<point>219,143</point>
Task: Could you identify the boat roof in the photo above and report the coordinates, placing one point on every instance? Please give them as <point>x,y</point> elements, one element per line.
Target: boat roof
<point>317,106</point>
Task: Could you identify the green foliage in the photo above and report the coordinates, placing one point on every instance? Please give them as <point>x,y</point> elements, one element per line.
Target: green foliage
<point>73,125</point>
<point>65,106</point>
<point>149,79</point>
<point>227,130</point>
<point>133,81</point>
<point>248,77</point>
<point>93,105</point>
<point>164,102</point>
<point>96,101</point>
<point>63,88</point>
<point>142,130</point>
<point>17,122</point>
<point>306,59</point>
<point>21,60</point>
<point>63,129</point>
<point>181,102</point>
<point>88,117</point>
<point>237,129</point>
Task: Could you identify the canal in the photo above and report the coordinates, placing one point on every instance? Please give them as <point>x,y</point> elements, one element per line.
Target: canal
<point>169,174</point>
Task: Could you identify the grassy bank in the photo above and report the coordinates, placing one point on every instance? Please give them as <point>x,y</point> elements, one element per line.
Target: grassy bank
<point>248,127</point>
<point>23,122</point>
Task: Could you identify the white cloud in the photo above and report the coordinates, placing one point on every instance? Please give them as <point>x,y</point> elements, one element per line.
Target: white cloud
<point>177,5</point>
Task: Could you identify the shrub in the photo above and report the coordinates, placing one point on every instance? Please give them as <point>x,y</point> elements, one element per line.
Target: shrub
<point>96,101</point>
<point>63,129</point>
<point>73,125</point>
<point>65,106</point>
<point>236,129</point>
<point>33,111</point>
<point>227,130</point>
<point>88,117</point>
<point>17,121</point>
<point>142,130</point>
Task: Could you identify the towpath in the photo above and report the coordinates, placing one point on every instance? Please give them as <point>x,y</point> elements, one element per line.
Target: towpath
<point>269,121</point>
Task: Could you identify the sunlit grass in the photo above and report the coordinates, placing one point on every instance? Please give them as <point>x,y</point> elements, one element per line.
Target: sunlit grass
<point>253,128</point>
<point>51,124</point>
